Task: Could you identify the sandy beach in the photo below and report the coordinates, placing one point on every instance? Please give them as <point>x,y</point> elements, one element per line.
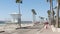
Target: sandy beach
<point>11,28</point>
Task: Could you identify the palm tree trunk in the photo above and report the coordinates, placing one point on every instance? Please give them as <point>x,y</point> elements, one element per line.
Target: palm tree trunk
<point>51,8</point>
<point>19,16</point>
<point>49,19</point>
<point>57,16</point>
<point>34,18</point>
<point>50,14</point>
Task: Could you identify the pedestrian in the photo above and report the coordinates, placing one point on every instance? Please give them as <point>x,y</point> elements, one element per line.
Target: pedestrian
<point>46,25</point>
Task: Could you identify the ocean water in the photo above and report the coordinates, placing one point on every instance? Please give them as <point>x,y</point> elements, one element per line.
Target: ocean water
<point>26,22</point>
<point>22,22</point>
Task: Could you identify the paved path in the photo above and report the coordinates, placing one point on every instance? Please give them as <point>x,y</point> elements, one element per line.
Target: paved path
<point>32,31</point>
<point>22,31</point>
<point>48,31</point>
<point>29,31</point>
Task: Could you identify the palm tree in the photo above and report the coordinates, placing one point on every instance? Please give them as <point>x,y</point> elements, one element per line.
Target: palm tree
<point>57,15</point>
<point>51,9</point>
<point>34,13</point>
<point>53,17</point>
<point>49,12</point>
<point>19,17</point>
<point>49,16</point>
<point>55,7</point>
<point>50,3</point>
<point>41,19</point>
<point>46,18</point>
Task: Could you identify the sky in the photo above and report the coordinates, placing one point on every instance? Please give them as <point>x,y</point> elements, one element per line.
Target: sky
<point>10,6</point>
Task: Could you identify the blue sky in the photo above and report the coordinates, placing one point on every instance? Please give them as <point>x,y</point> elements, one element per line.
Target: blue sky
<point>9,6</point>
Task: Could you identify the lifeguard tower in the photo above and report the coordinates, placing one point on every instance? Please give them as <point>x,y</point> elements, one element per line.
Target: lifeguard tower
<point>15,17</point>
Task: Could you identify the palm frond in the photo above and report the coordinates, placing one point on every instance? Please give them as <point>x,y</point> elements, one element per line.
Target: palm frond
<point>42,17</point>
<point>53,12</point>
<point>18,1</point>
<point>21,2</point>
<point>49,12</point>
<point>47,0</point>
<point>55,7</point>
<point>33,11</point>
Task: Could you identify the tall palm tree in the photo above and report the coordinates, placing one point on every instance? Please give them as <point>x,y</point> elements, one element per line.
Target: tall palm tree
<point>41,19</point>
<point>51,9</point>
<point>46,18</point>
<point>49,16</point>
<point>49,12</point>
<point>57,15</point>
<point>55,7</point>
<point>19,17</point>
<point>34,13</point>
<point>50,1</point>
<point>53,17</point>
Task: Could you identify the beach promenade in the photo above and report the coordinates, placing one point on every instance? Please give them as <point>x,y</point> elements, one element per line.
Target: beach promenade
<point>11,29</point>
<point>31,31</point>
<point>48,31</point>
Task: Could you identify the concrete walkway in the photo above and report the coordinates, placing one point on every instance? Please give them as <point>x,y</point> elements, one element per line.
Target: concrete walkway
<point>32,31</point>
<point>48,31</point>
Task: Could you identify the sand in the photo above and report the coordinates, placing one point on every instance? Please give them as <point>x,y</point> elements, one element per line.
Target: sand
<point>11,29</point>
<point>13,26</point>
